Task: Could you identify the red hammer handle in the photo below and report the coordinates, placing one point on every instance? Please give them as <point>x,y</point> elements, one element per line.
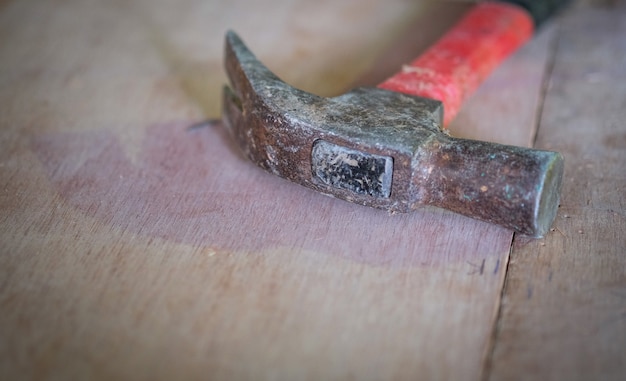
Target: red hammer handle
<point>455,66</point>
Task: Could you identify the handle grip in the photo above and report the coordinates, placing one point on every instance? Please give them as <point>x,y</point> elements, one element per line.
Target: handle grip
<point>454,66</point>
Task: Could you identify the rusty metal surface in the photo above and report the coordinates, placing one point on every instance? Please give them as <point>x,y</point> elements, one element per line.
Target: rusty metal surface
<point>384,149</point>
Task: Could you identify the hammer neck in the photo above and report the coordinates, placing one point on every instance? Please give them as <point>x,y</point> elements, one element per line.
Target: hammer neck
<point>511,186</point>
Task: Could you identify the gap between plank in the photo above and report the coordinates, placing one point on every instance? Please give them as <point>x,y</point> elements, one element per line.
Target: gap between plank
<point>545,85</point>
<point>491,345</point>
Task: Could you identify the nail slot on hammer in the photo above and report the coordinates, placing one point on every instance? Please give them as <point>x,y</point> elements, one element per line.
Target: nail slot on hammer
<point>386,147</point>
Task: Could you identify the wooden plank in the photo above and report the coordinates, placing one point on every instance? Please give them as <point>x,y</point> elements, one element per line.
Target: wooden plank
<point>135,248</point>
<point>564,309</point>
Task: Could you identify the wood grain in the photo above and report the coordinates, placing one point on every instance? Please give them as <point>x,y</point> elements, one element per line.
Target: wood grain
<point>564,308</point>
<point>133,247</point>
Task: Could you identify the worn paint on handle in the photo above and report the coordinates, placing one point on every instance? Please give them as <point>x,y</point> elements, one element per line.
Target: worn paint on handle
<point>455,66</point>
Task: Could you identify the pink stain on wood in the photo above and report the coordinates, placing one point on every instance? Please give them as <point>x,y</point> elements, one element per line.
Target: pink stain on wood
<point>192,186</point>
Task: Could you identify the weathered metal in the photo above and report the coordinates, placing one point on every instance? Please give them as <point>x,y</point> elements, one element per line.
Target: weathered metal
<point>384,149</point>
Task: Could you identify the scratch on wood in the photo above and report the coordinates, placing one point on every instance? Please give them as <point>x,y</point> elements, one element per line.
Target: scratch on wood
<point>477,269</point>
<point>202,124</point>
<point>558,230</point>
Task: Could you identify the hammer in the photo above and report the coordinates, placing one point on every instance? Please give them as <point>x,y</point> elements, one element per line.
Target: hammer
<point>386,147</point>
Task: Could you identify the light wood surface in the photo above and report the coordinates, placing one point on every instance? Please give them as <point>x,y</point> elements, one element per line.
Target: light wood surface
<point>564,306</point>
<point>133,247</point>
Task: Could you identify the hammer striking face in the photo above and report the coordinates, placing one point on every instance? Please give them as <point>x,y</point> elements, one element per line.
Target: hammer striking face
<point>384,149</point>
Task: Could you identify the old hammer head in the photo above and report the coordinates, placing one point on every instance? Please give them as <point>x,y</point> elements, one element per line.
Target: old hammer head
<point>384,149</point>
